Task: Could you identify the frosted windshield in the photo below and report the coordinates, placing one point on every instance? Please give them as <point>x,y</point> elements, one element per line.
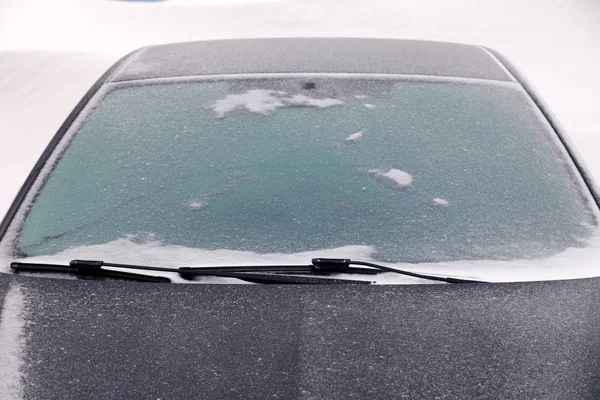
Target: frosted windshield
<point>419,171</point>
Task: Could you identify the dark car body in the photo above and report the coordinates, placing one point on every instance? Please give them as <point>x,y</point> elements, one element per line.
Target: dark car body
<point>77,338</point>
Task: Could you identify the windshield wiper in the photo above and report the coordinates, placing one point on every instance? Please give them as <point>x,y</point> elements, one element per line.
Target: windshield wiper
<point>283,274</point>
<point>319,266</point>
<point>86,271</point>
<point>91,268</point>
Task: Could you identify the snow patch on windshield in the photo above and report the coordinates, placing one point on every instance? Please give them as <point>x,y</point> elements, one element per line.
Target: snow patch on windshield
<point>393,176</point>
<point>12,343</point>
<point>355,137</point>
<point>256,101</point>
<point>147,250</point>
<point>195,205</point>
<point>264,102</point>
<point>305,101</point>
<point>438,201</point>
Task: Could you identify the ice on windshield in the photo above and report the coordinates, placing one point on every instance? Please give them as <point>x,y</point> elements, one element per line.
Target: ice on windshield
<point>449,173</point>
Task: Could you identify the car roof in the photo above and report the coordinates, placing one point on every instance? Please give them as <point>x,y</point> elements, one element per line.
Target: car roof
<point>312,55</point>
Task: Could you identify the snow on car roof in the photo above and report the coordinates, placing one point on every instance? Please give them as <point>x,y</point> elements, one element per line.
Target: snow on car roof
<point>312,55</point>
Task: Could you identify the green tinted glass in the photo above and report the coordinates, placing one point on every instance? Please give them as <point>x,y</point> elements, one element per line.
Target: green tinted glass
<point>422,171</point>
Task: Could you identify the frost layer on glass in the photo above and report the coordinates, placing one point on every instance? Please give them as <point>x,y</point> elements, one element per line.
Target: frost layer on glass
<point>439,172</point>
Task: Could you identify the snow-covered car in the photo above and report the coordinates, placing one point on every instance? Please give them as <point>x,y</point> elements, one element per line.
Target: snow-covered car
<point>303,191</point>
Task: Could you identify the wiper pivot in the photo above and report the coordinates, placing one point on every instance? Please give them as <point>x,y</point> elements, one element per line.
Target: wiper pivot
<point>331,265</point>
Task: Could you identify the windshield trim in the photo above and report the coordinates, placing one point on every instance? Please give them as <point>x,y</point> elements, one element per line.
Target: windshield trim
<point>330,75</point>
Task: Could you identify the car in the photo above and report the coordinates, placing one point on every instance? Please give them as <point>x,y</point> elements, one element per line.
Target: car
<point>338,218</point>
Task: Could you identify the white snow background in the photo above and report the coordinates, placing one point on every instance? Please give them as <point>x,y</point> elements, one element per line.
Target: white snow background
<point>51,52</point>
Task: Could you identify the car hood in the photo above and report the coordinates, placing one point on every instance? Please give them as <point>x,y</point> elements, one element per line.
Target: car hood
<point>73,339</point>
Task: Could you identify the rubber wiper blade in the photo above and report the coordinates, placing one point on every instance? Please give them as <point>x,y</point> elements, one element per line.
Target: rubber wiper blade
<point>87,270</point>
<point>313,269</point>
<point>262,274</point>
<point>94,268</point>
<point>282,274</point>
<point>284,278</point>
<point>319,266</point>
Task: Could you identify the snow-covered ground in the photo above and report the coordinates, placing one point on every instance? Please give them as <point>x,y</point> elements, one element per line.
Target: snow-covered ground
<point>52,51</point>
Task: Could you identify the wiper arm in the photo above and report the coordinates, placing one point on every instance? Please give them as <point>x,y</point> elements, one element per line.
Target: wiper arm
<point>429,277</point>
<point>265,274</point>
<point>253,273</point>
<point>319,266</point>
<point>89,270</point>
<point>94,268</point>
<point>258,277</point>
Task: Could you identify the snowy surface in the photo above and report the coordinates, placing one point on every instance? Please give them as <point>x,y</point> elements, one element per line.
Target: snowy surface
<point>440,202</point>
<point>51,52</point>
<point>12,340</point>
<point>355,137</point>
<point>179,3</point>
<point>133,249</point>
<point>393,176</point>
<point>255,101</point>
<point>264,102</point>
<point>196,204</point>
<point>583,262</point>
<point>302,100</point>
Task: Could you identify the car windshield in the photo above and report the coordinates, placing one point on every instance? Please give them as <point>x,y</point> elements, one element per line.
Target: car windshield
<point>407,170</point>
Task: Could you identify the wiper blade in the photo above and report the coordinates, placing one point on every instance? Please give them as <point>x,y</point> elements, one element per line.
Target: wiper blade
<point>281,274</point>
<point>284,278</point>
<point>94,268</point>
<point>319,266</point>
<point>86,270</point>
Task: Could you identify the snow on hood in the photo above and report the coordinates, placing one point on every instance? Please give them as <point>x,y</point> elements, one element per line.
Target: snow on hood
<point>264,102</point>
<point>12,343</point>
<point>573,263</point>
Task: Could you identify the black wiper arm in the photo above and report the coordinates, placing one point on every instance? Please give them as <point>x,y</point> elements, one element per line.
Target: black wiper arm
<point>94,268</point>
<point>319,266</point>
<point>248,274</point>
<point>253,273</point>
<point>274,278</point>
<point>90,270</point>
